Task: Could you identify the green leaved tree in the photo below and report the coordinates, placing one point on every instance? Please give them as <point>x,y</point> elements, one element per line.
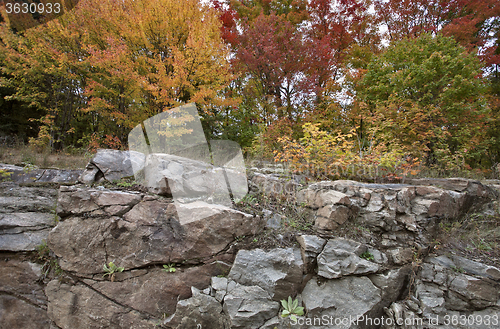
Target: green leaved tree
<point>426,96</point>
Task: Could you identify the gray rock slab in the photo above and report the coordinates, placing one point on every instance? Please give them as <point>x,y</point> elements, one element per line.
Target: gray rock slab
<point>249,307</point>
<point>346,298</point>
<point>341,257</point>
<point>278,271</point>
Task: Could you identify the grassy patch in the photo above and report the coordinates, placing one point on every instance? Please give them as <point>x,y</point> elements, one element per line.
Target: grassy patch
<point>295,220</point>
<point>476,237</point>
<point>23,155</point>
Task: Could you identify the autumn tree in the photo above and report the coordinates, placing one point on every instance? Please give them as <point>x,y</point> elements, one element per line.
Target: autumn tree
<point>112,65</point>
<point>426,96</point>
<point>473,23</point>
<point>293,11</point>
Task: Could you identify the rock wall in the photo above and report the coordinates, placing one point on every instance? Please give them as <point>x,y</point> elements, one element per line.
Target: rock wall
<point>180,273</point>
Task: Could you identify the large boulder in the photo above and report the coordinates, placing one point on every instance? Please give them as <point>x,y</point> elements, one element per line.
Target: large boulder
<point>110,165</point>
<point>181,177</point>
<point>97,232</point>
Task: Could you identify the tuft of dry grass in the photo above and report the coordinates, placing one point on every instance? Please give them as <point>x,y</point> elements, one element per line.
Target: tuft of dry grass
<point>476,237</point>
<point>22,154</point>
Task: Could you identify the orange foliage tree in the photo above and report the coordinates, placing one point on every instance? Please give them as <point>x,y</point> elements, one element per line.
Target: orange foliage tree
<point>106,66</point>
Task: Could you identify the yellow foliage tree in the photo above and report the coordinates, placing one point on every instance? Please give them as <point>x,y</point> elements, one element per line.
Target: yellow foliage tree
<point>326,156</point>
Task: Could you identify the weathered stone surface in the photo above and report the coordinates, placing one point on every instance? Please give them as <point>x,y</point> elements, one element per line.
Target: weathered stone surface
<point>480,293</point>
<point>24,231</point>
<point>23,175</point>
<point>408,221</point>
<point>341,257</point>
<point>199,311</point>
<point>311,243</point>
<point>26,199</point>
<point>219,287</point>
<point>249,307</point>
<point>400,256</point>
<point>140,232</point>
<point>79,200</point>
<point>22,299</point>
<point>453,184</point>
<point>467,266</point>
<point>310,247</point>
<point>156,292</point>
<point>17,314</point>
<point>272,186</point>
<point>409,312</point>
<point>331,217</point>
<point>20,279</point>
<point>443,290</point>
<point>59,176</point>
<point>172,175</point>
<point>149,233</point>
<point>26,216</point>
<point>80,307</point>
<point>392,284</point>
<point>390,207</point>
<point>91,174</point>
<point>349,297</point>
<point>278,271</point>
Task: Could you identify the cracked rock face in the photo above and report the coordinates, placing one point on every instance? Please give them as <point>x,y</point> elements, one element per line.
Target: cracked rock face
<point>248,306</point>
<point>110,165</point>
<point>26,216</point>
<point>278,271</point>
<point>140,233</point>
<point>79,306</point>
<point>341,257</point>
<point>333,277</point>
<point>36,176</point>
<point>198,310</point>
<point>345,298</point>
<point>445,288</point>
<point>23,303</point>
<point>391,207</point>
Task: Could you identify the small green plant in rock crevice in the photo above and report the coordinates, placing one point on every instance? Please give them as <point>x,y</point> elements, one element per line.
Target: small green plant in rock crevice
<point>5,175</point>
<point>126,183</point>
<point>367,255</point>
<point>458,269</point>
<point>50,263</point>
<point>29,167</point>
<point>169,268</point>
<point>111,269</point>
<point>291,308</point>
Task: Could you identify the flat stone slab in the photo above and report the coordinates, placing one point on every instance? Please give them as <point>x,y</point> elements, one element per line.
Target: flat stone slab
<point>21,175</point>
